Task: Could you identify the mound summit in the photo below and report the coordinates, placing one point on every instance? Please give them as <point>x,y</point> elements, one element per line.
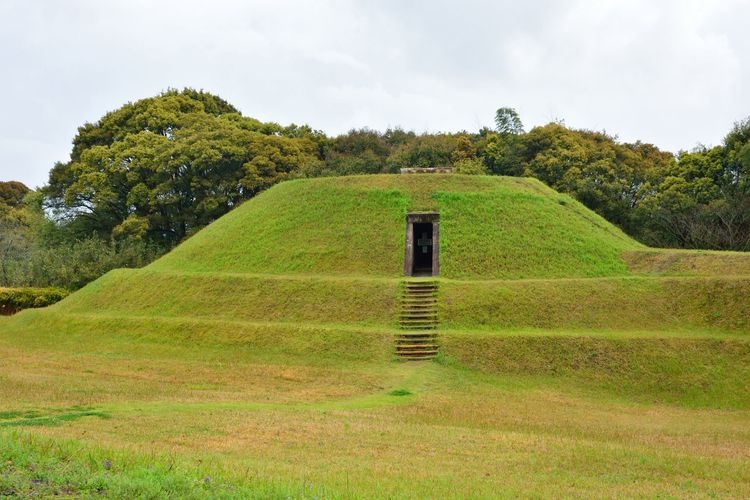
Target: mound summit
<point>490,228</point>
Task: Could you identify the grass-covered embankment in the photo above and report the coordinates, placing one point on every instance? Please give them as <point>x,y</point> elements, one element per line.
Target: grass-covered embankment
<point>631,303</point>
<point>673,262</point>
<point>491,227</point>
<point>239,297</point>
<point>645,367</point>
<point>648,303</point>
<point>169,413</point>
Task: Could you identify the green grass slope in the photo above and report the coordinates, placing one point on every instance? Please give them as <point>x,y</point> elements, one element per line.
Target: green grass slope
<point>152,407</point>
<point>515,255</point>
<point>257,359</point>
<point>491,228</point>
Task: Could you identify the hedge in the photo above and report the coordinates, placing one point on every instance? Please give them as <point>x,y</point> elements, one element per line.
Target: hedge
<point>13,300</point>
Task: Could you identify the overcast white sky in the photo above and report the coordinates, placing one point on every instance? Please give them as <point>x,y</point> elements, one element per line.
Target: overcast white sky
<point>673,73</point>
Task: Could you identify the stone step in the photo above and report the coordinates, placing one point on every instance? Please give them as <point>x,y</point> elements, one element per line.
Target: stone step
<point>418,320</point>
<point>417,357</point>
<point>413,348</point>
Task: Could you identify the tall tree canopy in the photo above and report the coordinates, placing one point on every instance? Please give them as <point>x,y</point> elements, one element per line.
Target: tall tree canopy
<point>703,199</point>
<point>507,121</point>
<point>162,167</point>
<point>12,194</point>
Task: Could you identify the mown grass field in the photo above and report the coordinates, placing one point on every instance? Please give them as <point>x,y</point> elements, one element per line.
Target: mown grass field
<point>257,359</point>
<point>169,405</point>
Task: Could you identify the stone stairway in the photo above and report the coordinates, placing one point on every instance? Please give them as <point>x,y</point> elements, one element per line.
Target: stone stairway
<point>418,318</point>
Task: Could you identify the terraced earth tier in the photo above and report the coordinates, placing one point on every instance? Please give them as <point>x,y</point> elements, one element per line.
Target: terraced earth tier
<point>257,359</point>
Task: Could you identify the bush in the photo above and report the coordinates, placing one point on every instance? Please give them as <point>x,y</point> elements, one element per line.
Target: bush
<point>13,300</point>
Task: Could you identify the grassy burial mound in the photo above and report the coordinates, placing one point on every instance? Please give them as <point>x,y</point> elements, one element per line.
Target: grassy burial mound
<point>257,358</point>
<point>492,227</point>
<point>514,254</point>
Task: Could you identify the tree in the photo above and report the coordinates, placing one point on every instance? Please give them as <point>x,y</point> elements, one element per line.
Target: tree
<point>703,200</point>
<point>161,168</point>
<point>503,153</point>
<point>360,151</point>
<point>610,178</point>
<point>12,194</point>
<point>424,151</point>
<point>507,121</point>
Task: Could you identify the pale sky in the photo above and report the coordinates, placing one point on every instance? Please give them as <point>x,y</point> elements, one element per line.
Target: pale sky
<point>672,73</point>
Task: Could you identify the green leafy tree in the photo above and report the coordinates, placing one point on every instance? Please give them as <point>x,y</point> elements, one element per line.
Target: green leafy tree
<point>360,151</point>
<point>610,178</point>
<point>507,121</point>
<point>424,151</point>
<point>12,194</point>
<point>163,167</point>
<point>465,159</point>
<point>503,153</point>
<point>703,200</point>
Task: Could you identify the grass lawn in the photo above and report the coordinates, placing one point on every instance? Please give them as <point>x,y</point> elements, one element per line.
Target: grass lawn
<point>128,410</point>
<point>258,360</point>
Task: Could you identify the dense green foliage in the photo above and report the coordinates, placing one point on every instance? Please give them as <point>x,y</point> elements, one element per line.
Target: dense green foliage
<point>36,252</point>
<point>15,299</point>
<point>703,199</point>
<point>163,167</point>
<point>11,195</point>
<point>153,172</point>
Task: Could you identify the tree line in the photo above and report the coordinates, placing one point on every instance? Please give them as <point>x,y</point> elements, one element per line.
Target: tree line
<point>148,175</point>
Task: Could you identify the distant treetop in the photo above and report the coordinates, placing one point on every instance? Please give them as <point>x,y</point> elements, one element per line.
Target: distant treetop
<point>507,121</point>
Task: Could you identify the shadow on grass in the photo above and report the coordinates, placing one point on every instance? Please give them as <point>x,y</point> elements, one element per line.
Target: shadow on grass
<point>48,418</point>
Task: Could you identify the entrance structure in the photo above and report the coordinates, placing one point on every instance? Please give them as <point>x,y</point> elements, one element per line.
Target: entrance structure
<point>422,257</point>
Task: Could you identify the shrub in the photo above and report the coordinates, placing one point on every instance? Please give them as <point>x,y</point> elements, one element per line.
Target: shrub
<point>13,300</point>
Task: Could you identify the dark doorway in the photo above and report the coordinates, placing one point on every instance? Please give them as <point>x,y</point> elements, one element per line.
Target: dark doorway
<point>422,255</point>
<point>422,249</point>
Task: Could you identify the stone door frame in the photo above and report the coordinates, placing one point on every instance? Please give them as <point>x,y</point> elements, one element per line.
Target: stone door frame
<point>421,218</point>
